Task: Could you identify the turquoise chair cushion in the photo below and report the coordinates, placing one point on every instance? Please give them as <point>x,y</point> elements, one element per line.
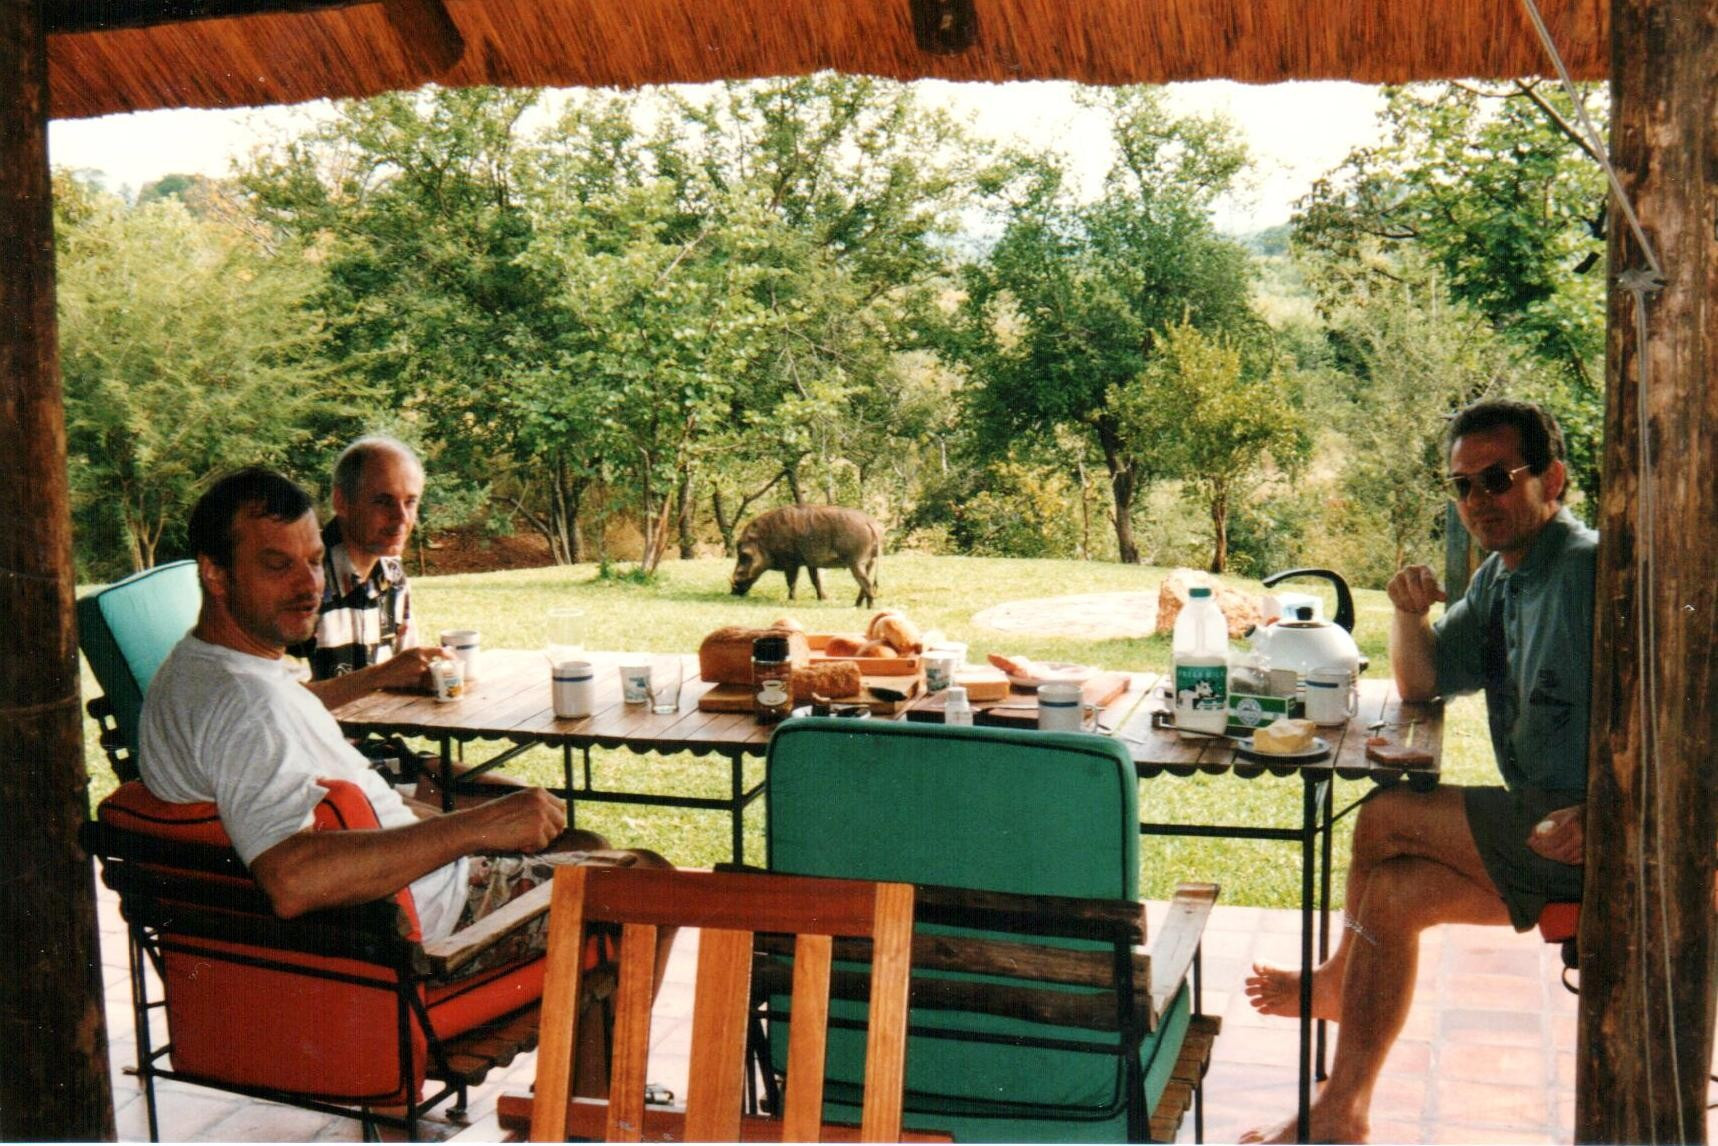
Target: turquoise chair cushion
<point>127,629</point>
<point>997,809</point>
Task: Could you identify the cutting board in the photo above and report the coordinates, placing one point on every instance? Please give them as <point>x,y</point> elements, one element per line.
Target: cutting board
<point>1020,709</point>
<point>738,697</point>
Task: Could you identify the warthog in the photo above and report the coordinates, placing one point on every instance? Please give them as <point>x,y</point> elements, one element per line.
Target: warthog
<point>815,536</point>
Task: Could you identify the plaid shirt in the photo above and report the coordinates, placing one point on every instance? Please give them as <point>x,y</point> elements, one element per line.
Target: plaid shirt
<point>363,621</point>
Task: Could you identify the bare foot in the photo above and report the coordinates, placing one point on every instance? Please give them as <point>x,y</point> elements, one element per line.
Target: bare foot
<point>1276,991</point>
<point>1323,1125</point>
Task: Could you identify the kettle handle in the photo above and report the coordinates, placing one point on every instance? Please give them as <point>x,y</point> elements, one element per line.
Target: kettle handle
<point>1344,599</point>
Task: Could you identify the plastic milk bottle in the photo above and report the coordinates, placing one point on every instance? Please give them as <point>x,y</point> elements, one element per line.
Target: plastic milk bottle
<point>1201,658</point>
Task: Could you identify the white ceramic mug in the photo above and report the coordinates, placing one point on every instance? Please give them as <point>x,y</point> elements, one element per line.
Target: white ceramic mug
<point>1331,696</point>
<point>464,644</point>
<point>635,681</point>
<point>572,689</point>
<point>1060,708</point>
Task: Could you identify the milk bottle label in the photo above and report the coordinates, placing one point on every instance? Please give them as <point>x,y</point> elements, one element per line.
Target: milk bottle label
<point>1202,695</point>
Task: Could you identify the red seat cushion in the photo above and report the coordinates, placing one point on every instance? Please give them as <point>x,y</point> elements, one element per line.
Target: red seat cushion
<point>1559,922</point>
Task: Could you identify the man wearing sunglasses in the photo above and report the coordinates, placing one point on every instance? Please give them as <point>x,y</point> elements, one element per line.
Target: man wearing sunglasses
<point>1522,634</point>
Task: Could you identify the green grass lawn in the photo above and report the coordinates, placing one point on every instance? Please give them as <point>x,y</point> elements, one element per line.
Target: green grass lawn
<point>689,598</point>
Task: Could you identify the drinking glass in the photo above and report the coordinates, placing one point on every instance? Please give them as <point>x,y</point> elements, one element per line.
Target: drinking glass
<point>564,637</point>
<point>665,674</point>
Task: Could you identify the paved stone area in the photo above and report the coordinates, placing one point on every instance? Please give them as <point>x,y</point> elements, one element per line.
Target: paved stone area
<point>1092,616</point>
<point>1488,1054</point>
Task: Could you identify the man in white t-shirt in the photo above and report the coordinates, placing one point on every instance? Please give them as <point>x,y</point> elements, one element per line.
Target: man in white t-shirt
<point>227,721</point>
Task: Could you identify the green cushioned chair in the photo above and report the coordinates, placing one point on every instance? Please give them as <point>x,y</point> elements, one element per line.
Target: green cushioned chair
<point>999,810</point>
<point>126,630</point>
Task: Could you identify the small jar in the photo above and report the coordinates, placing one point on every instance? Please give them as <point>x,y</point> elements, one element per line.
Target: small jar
<point>956,708</point>
<point>772,679</point>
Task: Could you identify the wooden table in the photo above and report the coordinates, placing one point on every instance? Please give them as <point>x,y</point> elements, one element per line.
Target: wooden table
<point>510,702</point>
<point>1158,750</point>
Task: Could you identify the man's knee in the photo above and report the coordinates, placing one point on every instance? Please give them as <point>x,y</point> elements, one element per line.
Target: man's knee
<point>1397,822</point>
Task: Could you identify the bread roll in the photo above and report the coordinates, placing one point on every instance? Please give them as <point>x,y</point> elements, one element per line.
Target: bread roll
<point>725,656</point>
<point>877,649</point>
<point>844,645</point>
<point>787,623</point>
<point>897,631</point>
<point>834,680</point>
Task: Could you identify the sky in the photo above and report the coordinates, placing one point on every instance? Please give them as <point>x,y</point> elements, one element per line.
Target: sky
<point>1296,132</point>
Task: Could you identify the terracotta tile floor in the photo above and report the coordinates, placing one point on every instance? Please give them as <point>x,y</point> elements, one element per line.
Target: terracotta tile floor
<point>1489,1006</point>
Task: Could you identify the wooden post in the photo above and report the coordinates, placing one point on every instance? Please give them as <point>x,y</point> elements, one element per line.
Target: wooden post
<point>1646,945</point>
<point>53,1033</point>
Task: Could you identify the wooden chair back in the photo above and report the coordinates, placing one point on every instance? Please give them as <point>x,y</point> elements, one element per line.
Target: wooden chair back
<point>730,909</point>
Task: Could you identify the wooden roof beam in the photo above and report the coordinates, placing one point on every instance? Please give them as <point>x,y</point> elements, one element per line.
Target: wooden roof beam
<point>61,17</point>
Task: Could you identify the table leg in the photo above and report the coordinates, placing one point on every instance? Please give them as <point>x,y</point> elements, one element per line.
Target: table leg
<point>1308,859</point>
<point>737,805</point>
<point>447,773</point>
<point>1328,820</point>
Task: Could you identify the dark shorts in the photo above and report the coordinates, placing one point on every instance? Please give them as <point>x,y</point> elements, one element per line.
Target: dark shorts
<point>1501,821</point>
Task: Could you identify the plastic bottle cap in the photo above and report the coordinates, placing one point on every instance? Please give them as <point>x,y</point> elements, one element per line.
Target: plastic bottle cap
<point>956,697</point>
<point>1198,592</point>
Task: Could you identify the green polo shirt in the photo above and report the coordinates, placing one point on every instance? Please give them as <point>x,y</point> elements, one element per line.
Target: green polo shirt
<point>1538,691</point>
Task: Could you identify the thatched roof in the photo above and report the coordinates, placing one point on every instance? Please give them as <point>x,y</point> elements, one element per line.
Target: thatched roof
<point>249,52</point>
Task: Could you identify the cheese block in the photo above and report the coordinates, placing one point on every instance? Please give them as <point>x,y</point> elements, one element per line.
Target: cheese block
<point>982,682</point>
<point>725,656</point>
<point>1284,736</point>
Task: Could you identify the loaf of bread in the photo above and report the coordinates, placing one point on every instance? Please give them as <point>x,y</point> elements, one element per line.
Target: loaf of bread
<point>832,680</point>
<point>725,657</point>
<point>1284,736</point>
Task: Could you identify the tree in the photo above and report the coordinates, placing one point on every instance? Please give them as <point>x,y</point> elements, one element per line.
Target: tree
<point>413,202</point>
<point>1494,193</point>
<point>1220,426</point>
<point>186,351</point>
<point>1071,298</point>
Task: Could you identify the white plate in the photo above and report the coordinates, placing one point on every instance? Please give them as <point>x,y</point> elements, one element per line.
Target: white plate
<point>1052,672</point>
<point>1320,748</point>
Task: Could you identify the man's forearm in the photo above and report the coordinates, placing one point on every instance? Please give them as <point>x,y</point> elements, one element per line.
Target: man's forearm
<point>313,869</point>
<point>345,688</point>
<point>1413,655</point>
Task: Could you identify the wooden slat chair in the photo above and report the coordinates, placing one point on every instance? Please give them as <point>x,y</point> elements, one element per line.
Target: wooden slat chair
<point>341,1011</point>
<point>1035,1017</point>
<point>730,909</point>
<point>126,630</point>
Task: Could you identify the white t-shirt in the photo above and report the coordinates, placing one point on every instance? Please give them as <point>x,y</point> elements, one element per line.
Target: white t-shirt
<point>239,730</point>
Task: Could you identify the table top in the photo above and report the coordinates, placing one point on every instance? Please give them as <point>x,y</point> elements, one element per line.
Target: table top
<point>509,700</point>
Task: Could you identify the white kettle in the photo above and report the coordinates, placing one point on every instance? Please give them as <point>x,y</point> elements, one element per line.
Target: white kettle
<point>1302,640</point>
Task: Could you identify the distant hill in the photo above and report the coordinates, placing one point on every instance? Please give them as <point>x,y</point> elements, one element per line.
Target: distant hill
<point>1267,243</point>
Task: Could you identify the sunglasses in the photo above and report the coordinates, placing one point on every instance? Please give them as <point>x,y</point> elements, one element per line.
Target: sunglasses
<point>1493,479</point>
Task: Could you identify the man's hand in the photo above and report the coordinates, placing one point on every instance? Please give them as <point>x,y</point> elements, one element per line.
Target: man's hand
<point>524,822</point>
<point>408,668</point>
<point>1561,835</point>
<point>1415,589</point>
